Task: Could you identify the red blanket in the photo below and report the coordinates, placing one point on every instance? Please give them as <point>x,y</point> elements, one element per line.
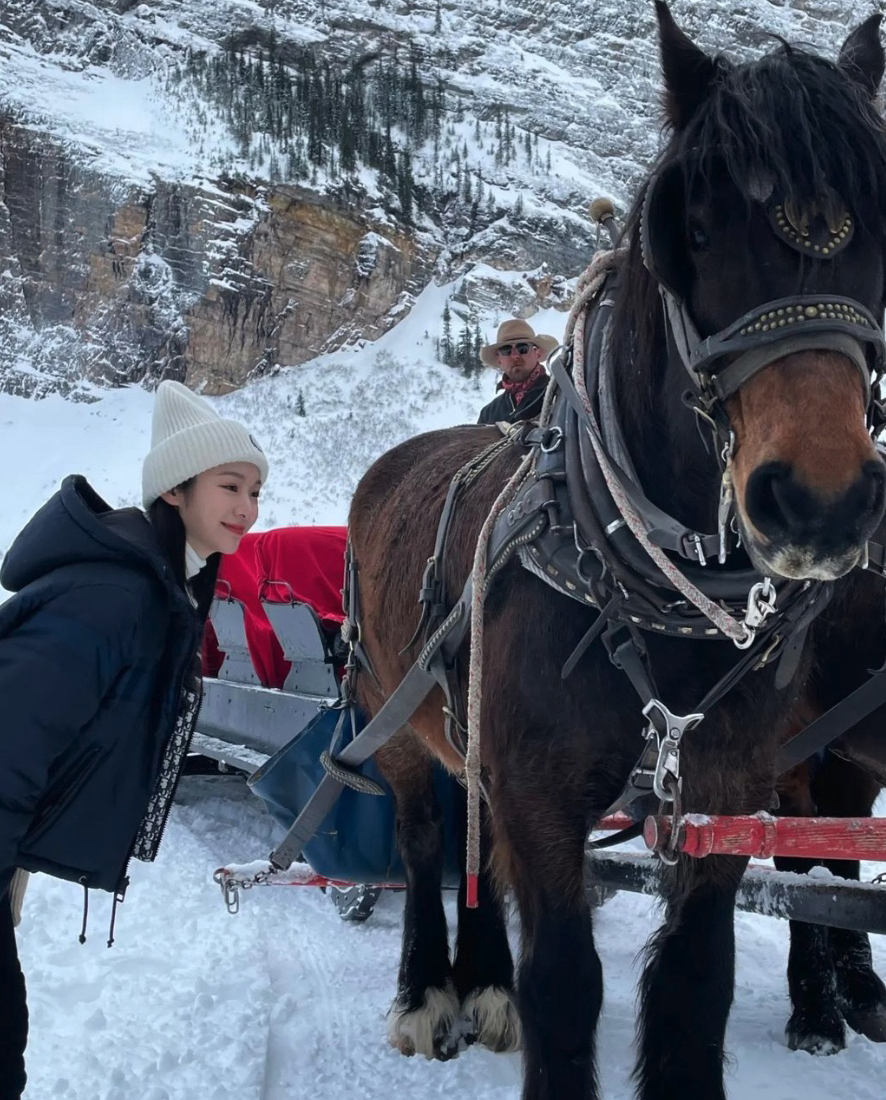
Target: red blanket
<point>290,563</point>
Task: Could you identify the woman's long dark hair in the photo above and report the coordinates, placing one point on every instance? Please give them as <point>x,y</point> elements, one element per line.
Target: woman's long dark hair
<point>170,532</point>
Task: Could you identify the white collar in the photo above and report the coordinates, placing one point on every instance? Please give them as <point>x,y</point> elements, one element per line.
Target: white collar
<point>193,562</point>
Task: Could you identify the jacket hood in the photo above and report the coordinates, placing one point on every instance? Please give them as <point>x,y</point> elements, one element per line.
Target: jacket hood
<point>76,525</point>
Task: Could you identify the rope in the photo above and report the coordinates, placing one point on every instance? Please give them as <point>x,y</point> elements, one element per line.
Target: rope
<point>473,761</point>
<point>588,287</point>
<point>348,777</point>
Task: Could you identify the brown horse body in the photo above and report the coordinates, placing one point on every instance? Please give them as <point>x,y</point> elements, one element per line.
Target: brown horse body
<point>557,752</point>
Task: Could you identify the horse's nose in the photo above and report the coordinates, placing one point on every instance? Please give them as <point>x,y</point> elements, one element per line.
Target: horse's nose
<point>782,508</point>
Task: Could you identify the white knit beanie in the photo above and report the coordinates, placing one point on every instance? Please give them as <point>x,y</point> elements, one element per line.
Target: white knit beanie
<point>187,437</point>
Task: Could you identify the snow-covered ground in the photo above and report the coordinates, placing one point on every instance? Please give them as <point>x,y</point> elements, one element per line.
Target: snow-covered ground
<point>285,1001</point>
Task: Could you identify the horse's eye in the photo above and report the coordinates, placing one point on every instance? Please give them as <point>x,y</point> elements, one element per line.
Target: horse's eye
<point>698,236</point>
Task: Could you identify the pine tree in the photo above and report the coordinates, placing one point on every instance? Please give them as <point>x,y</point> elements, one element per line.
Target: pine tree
<point>405,185</point>
<point>446,341</point>
<point>300,409</point>
<point>465,351</point>
<point>478,347</point>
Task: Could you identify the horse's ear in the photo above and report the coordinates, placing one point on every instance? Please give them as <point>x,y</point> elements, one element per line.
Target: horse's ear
<point>688,71</point>
<point>861,56</point>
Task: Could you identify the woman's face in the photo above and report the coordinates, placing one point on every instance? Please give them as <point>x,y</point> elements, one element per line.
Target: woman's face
<point>219,507</point>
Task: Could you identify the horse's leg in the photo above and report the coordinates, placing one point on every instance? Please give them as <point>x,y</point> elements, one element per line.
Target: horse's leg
<point>815,1024</point>
<point>483,970</point>
<point>861,994</point>
<point>540,838</point>
<point>687,986</point>
<point>424,1018</point>
<point>841,790</point>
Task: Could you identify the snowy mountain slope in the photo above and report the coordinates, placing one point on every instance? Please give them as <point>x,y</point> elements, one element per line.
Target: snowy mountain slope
<point>357,404</point>
<point>585,80</point>
<point>476,131</point>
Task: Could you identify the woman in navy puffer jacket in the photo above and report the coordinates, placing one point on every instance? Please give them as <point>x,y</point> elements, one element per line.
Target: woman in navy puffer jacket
<point>99,677</point>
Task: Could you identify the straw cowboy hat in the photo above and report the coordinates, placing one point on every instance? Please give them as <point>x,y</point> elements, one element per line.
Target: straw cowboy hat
<point>512,332</point>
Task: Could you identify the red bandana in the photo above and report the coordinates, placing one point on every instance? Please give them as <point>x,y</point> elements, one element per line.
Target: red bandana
<point>518,390</point>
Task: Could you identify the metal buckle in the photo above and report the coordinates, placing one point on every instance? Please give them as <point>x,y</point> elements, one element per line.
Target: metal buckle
<point>553,442</point>
<point>761,604</point>
<point>693,543</point>
<point>727,498</point>
<point>668,728</point>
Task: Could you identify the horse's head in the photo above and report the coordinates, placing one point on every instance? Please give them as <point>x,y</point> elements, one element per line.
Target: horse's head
<point>765,226</point>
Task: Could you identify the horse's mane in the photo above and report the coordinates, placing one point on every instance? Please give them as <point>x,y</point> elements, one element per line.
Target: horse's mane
<point>790,117</point>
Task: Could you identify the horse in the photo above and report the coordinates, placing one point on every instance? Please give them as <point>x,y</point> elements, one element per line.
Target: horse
<point>831,979</point>
<point>767,207</point>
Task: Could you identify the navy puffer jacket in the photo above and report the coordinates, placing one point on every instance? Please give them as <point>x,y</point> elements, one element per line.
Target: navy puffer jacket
<point>96,655</point>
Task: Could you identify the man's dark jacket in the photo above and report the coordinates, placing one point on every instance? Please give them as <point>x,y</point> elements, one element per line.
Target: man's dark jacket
<point>503,407</point>
<point>95,650</point>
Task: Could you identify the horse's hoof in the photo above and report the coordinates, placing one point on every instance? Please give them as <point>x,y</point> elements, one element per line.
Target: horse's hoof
<point>491,1019</point>
<point>432,1030</point>
<point>822,1036</point>
<point>870,1022</point>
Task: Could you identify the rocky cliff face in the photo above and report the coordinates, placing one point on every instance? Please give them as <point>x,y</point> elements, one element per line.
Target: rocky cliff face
<point>326,162</point>
<point>212,284</point>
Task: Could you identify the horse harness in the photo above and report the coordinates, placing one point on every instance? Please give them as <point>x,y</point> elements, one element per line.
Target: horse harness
<point>580,521</point>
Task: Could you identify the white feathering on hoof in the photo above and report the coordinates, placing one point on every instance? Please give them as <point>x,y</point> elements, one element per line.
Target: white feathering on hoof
<point>493,1019</point>
<point>432,1030</point>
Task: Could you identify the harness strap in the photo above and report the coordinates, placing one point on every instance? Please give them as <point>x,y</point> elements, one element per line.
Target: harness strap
<point>834,722</point>
<point>516,524</point>
<point>397,710</point>
<point>350,628</point>
<point>597,628</point>
<point>664,530</point>
<point>627,657</point>
<point>817,736</point>
<point>432,595</point>
<point>876,552</point>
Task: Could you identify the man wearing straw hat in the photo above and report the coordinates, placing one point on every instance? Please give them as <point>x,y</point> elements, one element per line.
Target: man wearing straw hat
<point>519,354</point>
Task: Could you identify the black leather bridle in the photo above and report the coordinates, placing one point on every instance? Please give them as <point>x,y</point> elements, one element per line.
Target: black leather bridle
<point>718,365</point>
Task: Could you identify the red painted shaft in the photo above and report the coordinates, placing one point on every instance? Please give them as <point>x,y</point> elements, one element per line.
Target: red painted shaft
<point>763,835</point>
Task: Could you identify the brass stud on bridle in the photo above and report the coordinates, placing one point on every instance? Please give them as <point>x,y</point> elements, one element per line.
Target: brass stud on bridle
<point>821,229</point>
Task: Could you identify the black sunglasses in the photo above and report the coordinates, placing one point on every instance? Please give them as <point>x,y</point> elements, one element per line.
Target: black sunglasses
<point>522,349</point>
